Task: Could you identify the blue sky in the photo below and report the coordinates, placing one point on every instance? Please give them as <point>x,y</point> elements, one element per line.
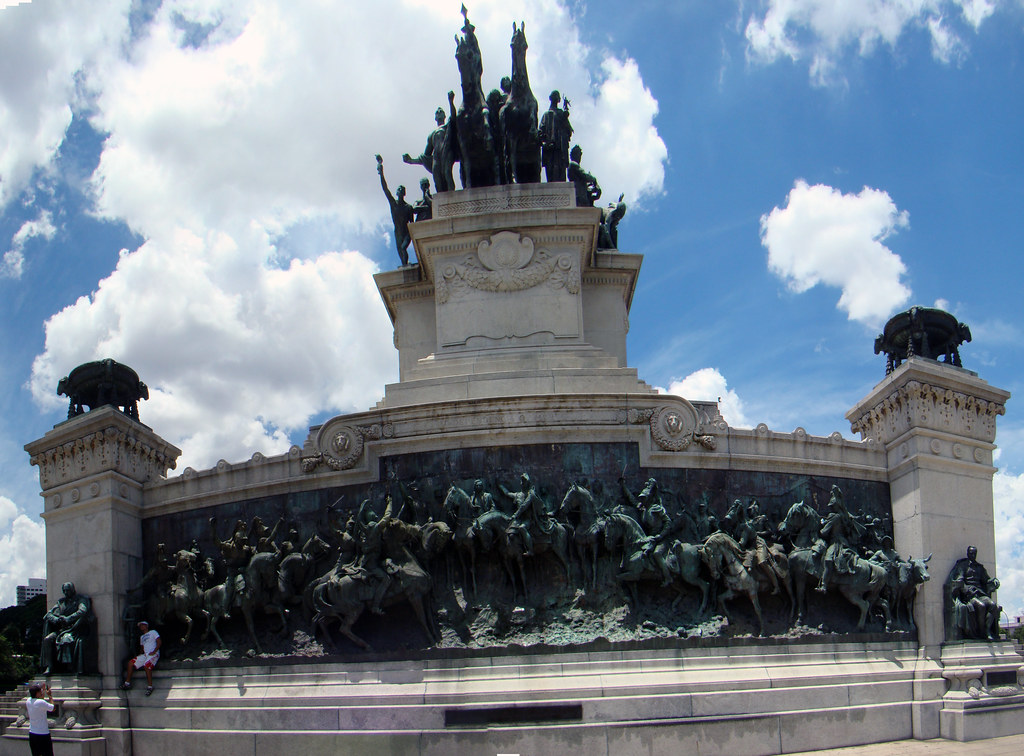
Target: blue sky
<point>189,187</point>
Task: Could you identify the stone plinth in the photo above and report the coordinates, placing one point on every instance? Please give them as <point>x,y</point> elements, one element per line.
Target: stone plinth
<point>985,697</point>
<point>510,297</point>
<point>755,698</point>
<point>92,470</point>
<point>937,424</point>
<point>74,724</point>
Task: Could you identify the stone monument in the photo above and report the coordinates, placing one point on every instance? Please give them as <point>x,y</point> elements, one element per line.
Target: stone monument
<point>525,548</point>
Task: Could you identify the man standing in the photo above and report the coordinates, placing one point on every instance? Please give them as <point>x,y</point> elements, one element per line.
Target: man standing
<point>149,645</point>
<point>38,728</point>
<point>437,156</point>
<point>555,133</point>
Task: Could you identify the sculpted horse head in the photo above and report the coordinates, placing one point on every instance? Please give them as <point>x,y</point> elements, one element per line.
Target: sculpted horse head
<point>801,524</point>
<point>519,47</point>
<point>471,66</point>
<point>315,547</point>
<point>456,505</point>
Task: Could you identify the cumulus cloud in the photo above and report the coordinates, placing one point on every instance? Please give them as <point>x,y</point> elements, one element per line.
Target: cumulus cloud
<point>825,236</point>
<point>8,511</point>
<point>237,132</point>
<point>1008,493</point>
<point>45,45</point>
<point>822,31</point>
<point>23,545</point>
<point>239,357</point>
<point>277,115</point>
<point>14,258</point>
<point>709,385</point>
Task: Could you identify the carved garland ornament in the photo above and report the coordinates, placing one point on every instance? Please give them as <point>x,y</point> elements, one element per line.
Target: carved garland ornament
<point>921,404</point>
<point>671,429</point>
<point>345,446</point>
<point>509,262</point>
<point>106,449</point>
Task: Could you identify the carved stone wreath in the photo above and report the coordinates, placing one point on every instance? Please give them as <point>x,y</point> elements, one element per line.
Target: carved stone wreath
<point>345,445</point>
<point>674,430</point>
<point>508,262</point>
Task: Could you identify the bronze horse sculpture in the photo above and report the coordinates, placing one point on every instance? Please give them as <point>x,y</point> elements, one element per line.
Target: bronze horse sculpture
<point>625,533</point>
<point>586,528</point>
<point>862,587</point>
<point>724,559</point>
<point>519,119</point>
<point>478,159</point>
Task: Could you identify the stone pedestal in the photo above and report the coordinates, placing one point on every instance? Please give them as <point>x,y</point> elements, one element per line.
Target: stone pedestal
<point>985,697</point>
<point>936,424</point>
<point>74,725</point>
<point>510,297</point>
<point>92,470</point>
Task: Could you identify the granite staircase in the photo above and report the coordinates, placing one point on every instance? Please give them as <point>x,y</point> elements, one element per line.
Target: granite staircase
<point>756,699</point>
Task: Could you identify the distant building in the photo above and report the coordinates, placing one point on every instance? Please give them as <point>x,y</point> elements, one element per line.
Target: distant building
<point>35,587</point>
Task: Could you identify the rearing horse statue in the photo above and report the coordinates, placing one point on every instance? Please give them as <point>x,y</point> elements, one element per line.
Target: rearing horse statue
<point>479,162</point>
<point>519,118</point>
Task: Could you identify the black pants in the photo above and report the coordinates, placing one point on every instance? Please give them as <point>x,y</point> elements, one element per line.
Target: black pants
<point>41,745</point>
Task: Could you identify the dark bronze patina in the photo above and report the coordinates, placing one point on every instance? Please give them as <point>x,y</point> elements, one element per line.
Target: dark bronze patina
<point>922,332</point>
<point>96,384</point>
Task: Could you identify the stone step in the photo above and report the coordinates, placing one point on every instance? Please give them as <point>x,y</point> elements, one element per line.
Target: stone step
<point>605,686</point>
<point>160,711</point>
<point>743,735</point>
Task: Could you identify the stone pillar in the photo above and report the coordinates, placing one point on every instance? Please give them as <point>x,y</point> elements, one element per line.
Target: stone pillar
<point>937,425</point>
<point>92,470</point>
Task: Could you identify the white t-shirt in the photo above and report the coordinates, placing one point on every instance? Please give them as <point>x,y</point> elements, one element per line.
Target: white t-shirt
<point>38,708</point>
<point>148,641</point>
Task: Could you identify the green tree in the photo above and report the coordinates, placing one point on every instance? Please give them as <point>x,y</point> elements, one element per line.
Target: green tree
<point>14,668</point>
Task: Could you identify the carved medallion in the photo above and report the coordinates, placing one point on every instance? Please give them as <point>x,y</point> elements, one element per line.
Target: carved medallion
<point>341,447</point>
<point>508,261</point>
<point>671,429</point>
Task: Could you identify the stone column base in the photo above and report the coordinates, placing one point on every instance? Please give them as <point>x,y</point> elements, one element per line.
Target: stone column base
<point>986,696</point>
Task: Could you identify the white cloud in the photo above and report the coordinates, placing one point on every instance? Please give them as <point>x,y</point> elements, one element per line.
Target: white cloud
<point>14,258</point>
<point>1008,493</point>
<point>825,236</point>
<point>8,511</point>
<point>45,45</point>
<point>22,542</point>
<point>707,384</point>
<point>236,356</point>
<point>824,30</point>
<point>279,119</point>
<point>226,150</point>
<point>12,264</point>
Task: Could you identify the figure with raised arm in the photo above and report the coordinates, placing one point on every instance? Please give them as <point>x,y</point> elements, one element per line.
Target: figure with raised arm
<point>401,214</point>
<point>438,156</point>
<point>424,207</point>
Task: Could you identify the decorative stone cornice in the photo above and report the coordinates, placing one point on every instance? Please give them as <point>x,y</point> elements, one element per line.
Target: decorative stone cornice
<point>456,204</point>
<point>917,404</point>
<point>102,440</point>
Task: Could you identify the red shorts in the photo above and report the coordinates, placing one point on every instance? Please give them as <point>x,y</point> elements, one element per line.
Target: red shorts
<point>144,661</point>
